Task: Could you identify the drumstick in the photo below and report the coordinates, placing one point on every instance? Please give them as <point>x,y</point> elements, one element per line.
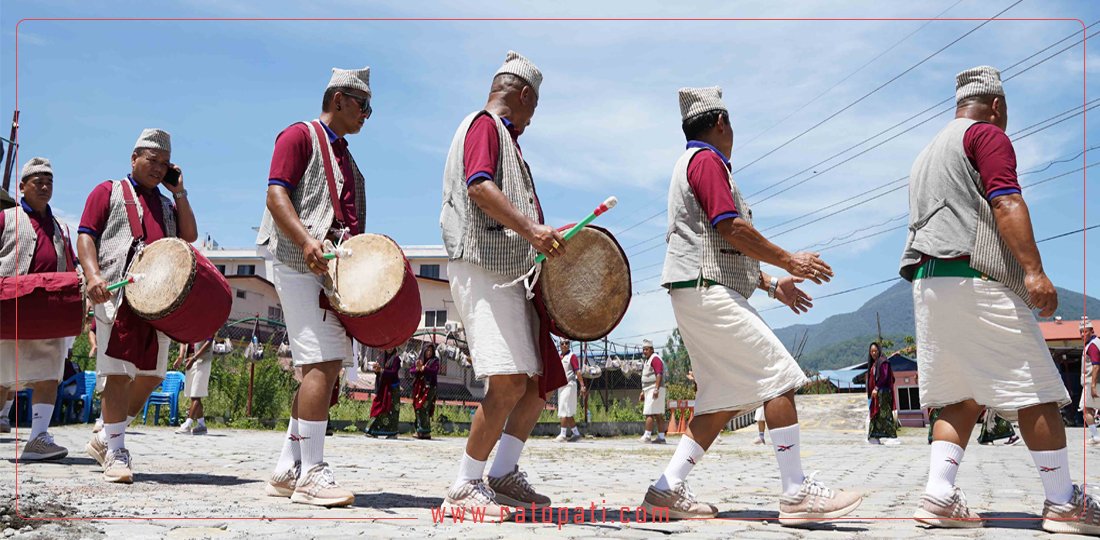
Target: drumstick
<point>607,205</point>
<point>339,253</point>
<point>133,278</point>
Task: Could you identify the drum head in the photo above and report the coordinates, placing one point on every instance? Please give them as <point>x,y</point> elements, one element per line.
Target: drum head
<point>167,271</point>
<point>370,278</point>
<point>587,289</point>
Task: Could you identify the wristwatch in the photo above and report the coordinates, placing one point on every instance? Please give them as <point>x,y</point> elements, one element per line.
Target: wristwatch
<point>180,194</point>
<point>772,286</point>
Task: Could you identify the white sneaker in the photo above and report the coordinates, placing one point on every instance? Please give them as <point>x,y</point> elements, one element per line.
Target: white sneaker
<point>891,442</point>
<point>758,441</point>
<point>1093,441</point>
<point>561,438</point>
<point>118,468</point>
<point>645,438</point>
<point>475,494</point>
<point>317,487</point>
<point>184,429</point>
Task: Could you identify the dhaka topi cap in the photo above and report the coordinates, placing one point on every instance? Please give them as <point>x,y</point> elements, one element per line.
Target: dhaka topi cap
<point>357,79</point>
<point>518,65</point>
<point>978,81</point>
<point>36,165</point>
<point>696,101</point>
<point>157,139</point>
<point>647,343</point>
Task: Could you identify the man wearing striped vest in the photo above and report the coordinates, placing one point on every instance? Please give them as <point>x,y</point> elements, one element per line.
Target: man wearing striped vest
<point>492,228</point>
<point>712,267</point>
<point>307,209</point>
<point>32,241</point>
<point>106,246</point>
<point>977,275</point>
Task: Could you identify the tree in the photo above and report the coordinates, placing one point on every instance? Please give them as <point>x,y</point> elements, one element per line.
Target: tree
<point>677,361</point>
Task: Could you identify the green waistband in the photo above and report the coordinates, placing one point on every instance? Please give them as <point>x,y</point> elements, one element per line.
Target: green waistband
<point>691,283</point>
<point>947,268</point>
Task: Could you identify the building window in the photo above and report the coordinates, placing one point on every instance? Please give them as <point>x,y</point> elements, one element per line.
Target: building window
<point>240,293</point>
<point>909,398</point>
<point>275,313</point>
<point>429,271</point>
<point>435,318</point>
<point>221,268</point>
<point>246,269</point>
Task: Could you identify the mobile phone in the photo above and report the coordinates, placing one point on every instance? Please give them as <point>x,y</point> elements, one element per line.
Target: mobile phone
<point>172,177</point>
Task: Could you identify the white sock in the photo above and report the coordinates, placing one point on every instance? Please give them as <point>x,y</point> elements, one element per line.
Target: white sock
<point>1053,468</point>
<point>292,451</point>
<point>7,408</point>
<point>186,424</point>
<point>660,436</point>
<point>42,413</point>
<point>648,434</point>
<point>564,431</point>
<point>114,435</point>
<point>787,454</point>
<point>312,442</point>
<point>508,451</point>
<point>942,468</point>
<point>1092,431</point>
<point>576,431</point>
<point>687,456</point>
<point>202,421</point>
<point>130,420</point>
<point>468,469</point>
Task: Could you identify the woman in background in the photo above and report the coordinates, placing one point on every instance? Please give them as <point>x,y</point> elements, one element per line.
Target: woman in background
<point>880,391</point>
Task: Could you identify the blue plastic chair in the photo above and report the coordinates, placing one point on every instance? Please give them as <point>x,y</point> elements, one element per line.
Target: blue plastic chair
<point>168,393</point>
<point>69,414</point>
<point>88,395</point>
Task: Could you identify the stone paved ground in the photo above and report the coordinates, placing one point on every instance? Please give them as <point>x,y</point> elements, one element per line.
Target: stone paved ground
<point>217,480</point>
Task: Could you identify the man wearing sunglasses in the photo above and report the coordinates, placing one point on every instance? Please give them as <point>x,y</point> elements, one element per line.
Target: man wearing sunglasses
<point>307,206</point>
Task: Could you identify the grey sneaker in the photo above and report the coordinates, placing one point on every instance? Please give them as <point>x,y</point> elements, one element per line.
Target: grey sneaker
<point>575,437</point>
<point>5,425</point>
<point>950,512</point>
<point>658,440</point>
<point>199,430</point>
<point>117,468</point>
<point>283,484</point>
<point>680,502</point>
<point>513,489</point>
<point>319,488</point>
<point>43,448</point>
<point>815,502</point>
<point>97,449</point>
<point>474,495</point>
<point>1081,515</point>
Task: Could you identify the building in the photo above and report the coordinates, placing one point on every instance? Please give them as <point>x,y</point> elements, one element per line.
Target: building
<point>248,271</point>
<point>906,392</point>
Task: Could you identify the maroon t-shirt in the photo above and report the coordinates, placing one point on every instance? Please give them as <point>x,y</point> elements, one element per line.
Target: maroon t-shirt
<point>990,152</point>
<point>45,257</point>
<point>294,149</point>
<point>98,207</point>
<point>658,365</point>
<point>481,151</point>
<point>708,176</point>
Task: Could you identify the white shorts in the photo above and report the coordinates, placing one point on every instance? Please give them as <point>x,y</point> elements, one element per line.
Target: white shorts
<point>759,416</point>
<point>978,340</point>
<point>738,361</point>
<point>109,365</point>
<point>316,335</point>
<point>198,378</point>
<point>654,405</point>
<point>501,324</point>
<point>38,360</point>
<point>567,400</point>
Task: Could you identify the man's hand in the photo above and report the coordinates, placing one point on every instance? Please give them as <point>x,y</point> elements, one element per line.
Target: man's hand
<point>809,266</point>
<point>641,396</point>
<point>190,363</point>
<point>176,363</point>
<point>1042,293</point>
<point>656,393</point>
<point>584,389</point>
<point>788,292</point>
<point>874,392</point>
<point>179,185</point>
<point>96,289</point>
<point>313,253</point>
<point>544,238</point>
<point>1094,394</point>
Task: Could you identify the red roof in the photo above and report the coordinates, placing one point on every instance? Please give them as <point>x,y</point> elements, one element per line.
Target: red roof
<point>1060,330</point>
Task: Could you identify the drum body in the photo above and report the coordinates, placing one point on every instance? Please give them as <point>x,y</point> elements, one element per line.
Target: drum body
<point>586,290</point>
<point>180,292</point>
<point>47,305</point>
<point>374,292</point>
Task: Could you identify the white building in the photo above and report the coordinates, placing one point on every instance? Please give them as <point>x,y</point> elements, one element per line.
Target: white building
<point>248,271</point>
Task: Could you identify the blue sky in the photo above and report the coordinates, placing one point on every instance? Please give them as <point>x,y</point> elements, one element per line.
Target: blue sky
<point>608,120</point>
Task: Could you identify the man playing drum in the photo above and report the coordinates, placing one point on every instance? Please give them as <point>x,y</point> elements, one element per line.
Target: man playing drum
<point>300,219</point>
<point>43,245</point>
<point>106,246</point>
<point>567,395</point>
<point>977,274</point>
<point>492,227</point>
<point>654,394</point>
<point>712,266</point>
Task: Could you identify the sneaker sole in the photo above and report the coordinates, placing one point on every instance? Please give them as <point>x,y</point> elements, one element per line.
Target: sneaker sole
<point>804,518</point>
<point>655,510</point>
<point>126,479</point>
<point>275,491</point>
<point>34,456</point>
<point>302,498</point>
<point>928,518</point>
<point>504,500</point>
<point>91,451</point>
<point>448,508</point>
<point>1070,527</point>
<point>198,433</point>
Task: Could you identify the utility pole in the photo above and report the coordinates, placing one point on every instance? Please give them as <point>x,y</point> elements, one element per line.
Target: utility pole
<point>879,324</point>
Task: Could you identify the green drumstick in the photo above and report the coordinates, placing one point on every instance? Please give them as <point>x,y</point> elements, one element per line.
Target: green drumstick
<point>340,253</point>
<point>132,278</point>
<point>607,205</point>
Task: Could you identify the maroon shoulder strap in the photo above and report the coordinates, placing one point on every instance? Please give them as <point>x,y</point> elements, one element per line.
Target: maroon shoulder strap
<point>322,138</point>
<point>131,211</point>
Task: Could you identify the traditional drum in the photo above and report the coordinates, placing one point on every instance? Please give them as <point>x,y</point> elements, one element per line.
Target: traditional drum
<point>586,290</point>
<point>178,291</point>
<point>41,306</point>
<point>373,291</point>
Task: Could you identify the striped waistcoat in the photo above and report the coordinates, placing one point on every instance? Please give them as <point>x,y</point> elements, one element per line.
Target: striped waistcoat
<point>949,215</point>
<point>115,240</point>
<point>695,248</point>
<point>469,234</point>
<point>313,204</point>
<point>27,241</point>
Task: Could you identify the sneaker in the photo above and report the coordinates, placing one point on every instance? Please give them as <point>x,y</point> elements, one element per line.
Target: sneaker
<point>5,425</point>
<point>283,484</point>
<point>319,488</point>
<point>950,512</point>
<point>645,439</point>
<point>891,442</point>
<point>679,501</point>
<point>575,437</point>
<point>97,449</point>
<point>815,502</point>
<point>1013,440</point>
<point>1081,515</point>
<point>759,441</point>
<point>561,438</point>
<point>474,495</point>
<point>184,429</point>
<point>43,448</point>
<point>199,430</point>
<point>874,440</point>
<point>658,440</point>
<point>1093,441</point>
<point>117,468</point>
<point>513,489</point>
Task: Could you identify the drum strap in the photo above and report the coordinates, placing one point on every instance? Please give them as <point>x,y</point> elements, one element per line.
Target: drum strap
<point>330,177</point>
<point>131,211</point>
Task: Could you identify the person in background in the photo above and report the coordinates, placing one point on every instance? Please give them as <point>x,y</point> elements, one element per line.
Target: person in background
<point>426,372</point>
<point>386,407</point>
<point>198,363</point>
<point>654,395</point>
<point>1090,371</point>
<point>880,392</point>
<point>567,395</point>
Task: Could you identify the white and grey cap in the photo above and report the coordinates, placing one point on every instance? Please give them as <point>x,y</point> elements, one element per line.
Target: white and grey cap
<point>518,65</point>
<point>647,343</point>
<point>696,101</point>
<point>356,79</point>
<point>36,165</point>
<point>157,139</point>
<point>978,81</point>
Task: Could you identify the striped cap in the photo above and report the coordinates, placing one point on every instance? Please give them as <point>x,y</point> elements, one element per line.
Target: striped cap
<point>36,165</point>
<point>358,79</point>
<point>696,101</point>
<point>516,64</point>
<point>978,81</point>
<point>157,139</point>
